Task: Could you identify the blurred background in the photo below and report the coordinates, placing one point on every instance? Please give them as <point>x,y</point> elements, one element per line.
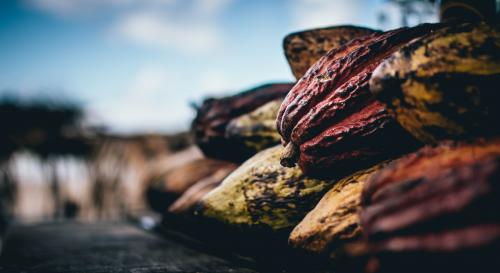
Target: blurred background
<point>95,95</point>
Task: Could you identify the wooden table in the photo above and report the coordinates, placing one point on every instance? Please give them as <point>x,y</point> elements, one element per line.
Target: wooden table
<point>102,247</point>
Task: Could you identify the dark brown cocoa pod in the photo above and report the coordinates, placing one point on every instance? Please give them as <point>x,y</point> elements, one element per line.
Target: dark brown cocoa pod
<point>214,114</point>
<point>188,201</point>
<point>304,48</point>
<point>331,119</point>
<point>167,187</point>
<point>437,209</point>
<point>180,179</point>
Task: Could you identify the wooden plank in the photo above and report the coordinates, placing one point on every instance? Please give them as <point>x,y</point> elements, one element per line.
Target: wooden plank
<point>102,247</point>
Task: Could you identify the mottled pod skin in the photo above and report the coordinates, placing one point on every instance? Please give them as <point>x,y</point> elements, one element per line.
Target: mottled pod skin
<point>335,220</point>
<point>214,114</point>
<point>262,193</point>
<point>304,48</point>
<point>435,209</point>
<point>446,85</point>
<point>330,120</point>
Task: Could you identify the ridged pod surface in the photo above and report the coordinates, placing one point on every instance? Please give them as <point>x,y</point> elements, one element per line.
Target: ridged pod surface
<point>304,48</point>
<point>335,220</point>
<point>445,86</point>
<point>261,192</point>
<point>256,130</point>
<point>214,114</point>
<point>436,208</point>
<point>330,119</point>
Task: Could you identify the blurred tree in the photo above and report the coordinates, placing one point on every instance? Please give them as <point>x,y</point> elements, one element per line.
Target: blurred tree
<point>411,12</point>
<point>46,128</point>
<point>469,10</point>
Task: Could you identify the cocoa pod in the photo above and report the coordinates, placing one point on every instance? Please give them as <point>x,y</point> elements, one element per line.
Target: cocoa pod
<point>330,118</point>
<point>156,196</point>
<point>214,114</point>
<point>322,66</point>
<point>256,130</point>
<point>304,48</point>
<point>180,179</point>
<point>166,188</point>
<point>262,193</point>
<point>187,202</point>
<point>435,209</point>
<point>323,82</point>
<point>445,85</point>
<point>334,221</point>
<point>361,140</point>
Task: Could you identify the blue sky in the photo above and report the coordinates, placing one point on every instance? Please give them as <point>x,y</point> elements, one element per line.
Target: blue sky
<point>136,64</point>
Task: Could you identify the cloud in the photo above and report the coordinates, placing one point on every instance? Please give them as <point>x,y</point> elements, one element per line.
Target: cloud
<point>154,99</point>
<point>155,30</point>
<point>372,13</point>
<point>193,31</point>
<point>213,82</point>
<point>68,8</point>
<point>211,7</point>
<point>318,13</point>
<point>53,6</point>
<point>185,26</point>
<point>150,104</point>
<point>188,27</point>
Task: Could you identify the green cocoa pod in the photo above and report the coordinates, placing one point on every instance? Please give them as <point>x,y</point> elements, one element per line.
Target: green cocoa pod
<point>261,192</point>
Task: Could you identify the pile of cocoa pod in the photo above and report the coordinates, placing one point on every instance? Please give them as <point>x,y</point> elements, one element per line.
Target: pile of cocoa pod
<point>384,156</point>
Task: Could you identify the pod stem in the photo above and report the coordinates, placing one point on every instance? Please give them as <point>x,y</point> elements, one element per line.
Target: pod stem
<point>289,155</point>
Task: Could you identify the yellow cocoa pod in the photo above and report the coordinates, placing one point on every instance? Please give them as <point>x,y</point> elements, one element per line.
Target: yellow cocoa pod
<point>334,221</point>
<point>445,85</point>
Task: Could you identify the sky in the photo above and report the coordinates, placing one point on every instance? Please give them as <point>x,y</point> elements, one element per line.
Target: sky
<point>136,65</point>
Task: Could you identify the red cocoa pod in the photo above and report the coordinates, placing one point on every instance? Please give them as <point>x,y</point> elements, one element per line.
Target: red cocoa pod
<point>214,114</point>
<point>435,209</point>
<point>337,67</point>
<point>367,136</point>
<point>322,66</point>
<point>323,116</point>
